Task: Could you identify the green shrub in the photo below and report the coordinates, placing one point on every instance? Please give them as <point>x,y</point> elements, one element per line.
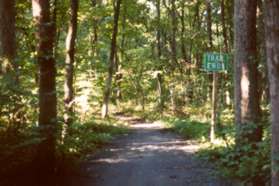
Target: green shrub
<point>243,163</point>
<point>189,128</point>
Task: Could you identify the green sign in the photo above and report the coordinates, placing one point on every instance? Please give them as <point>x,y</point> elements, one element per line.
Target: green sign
<point>215,62</point>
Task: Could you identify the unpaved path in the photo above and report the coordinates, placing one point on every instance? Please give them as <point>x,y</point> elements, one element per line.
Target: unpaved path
<point>148,156</point>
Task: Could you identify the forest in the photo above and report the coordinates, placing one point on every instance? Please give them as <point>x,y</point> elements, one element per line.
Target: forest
<point>78,77</point>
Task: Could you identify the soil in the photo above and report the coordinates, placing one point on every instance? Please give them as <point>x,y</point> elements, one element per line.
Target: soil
<point>149,155</point>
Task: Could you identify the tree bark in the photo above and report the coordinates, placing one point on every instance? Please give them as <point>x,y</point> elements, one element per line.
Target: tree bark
<point>107,91</point>
<point>8,39</point>
<point>209,23</point>
<point>272,50</point>
<point>121,56</point>
<point>158,36</point>
<point>214,89</point>
<point>69,63</point>
<point>182,19</point>
<point>247,106</point>
<point>95,31</point>
<point>224,26</point>
<point>47,92</point>
<point>159,54</point>
<point>173,34</point>
<point>171,8</point>
<point>247,100</point>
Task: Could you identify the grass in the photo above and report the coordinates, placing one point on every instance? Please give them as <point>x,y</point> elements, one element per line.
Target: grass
<point>242,163</point>
<point>190,129</point>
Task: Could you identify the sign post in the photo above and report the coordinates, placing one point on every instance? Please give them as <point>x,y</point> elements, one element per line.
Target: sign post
<point>215,63</point>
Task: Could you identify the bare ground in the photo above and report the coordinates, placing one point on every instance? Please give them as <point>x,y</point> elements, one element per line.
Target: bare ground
<point>148,156</point>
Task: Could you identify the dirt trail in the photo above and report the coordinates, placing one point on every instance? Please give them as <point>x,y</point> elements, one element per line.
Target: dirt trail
<point>148,156</point>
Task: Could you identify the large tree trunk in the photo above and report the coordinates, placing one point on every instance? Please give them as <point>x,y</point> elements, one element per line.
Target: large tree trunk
<point>247,101</point>
<point>247,106</point>
<point>8,64</point>
<point>8,39</point>
<point>107,91</point>
<point>272,46</point>
<point>70,59</point>
<point>47,92</point>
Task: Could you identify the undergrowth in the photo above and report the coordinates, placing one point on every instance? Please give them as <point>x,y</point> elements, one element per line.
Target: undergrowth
<point>244,163</point>
<point>18,150</point>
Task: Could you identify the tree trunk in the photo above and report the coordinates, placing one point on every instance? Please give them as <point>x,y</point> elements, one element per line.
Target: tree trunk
<point>182,19</point>
<point>70,59</point>
<point>158,36</point>
<point>272,46</point>
<point>247,106</point>
<point>47,92</point>
<point>173,33</point>
<point>209,23</point>
<point>121,57</point>
<point>214,88</point>
<point>247,100</point>
<point>95,31</point>
<point>159,54</point>
<point>107,91</point>
<point>225,32</point>
<point>8,39</point>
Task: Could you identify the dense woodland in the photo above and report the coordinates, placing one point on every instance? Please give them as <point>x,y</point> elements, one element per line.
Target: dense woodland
<point>69,66</point>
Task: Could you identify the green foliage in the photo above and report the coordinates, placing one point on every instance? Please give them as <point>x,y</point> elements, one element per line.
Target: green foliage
<point>184,86</point>
<point>190,129</point>
<point>243,163</point>
<point>18,148</point>
<point>83,138</point>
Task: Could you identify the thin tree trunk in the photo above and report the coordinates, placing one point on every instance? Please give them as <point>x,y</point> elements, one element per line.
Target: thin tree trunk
<point>121,56</point>
<point>172,12</point>
<point>182,18</point>
<point>95,31</point>
<point>47,91</point>
<point>158,36</point>
<point>225,78</point>
<point>159,53</point>
<point>111,60</point>
<point>224,26</point>
<point>209,23</point>
<point>214,113</point>
<point>272,46</point>
<point>70,59</point>
<point>173,34</point>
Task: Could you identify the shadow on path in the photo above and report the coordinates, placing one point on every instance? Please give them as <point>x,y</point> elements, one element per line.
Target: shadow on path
<point>148,156</point>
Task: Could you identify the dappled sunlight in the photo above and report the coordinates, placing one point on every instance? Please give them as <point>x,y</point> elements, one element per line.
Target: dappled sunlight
<point>109,160</point>
<point>155,125</point>
<point>177,145</point>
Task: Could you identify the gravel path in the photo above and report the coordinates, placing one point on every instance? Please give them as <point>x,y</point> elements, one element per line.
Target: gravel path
<point>148,156</point>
